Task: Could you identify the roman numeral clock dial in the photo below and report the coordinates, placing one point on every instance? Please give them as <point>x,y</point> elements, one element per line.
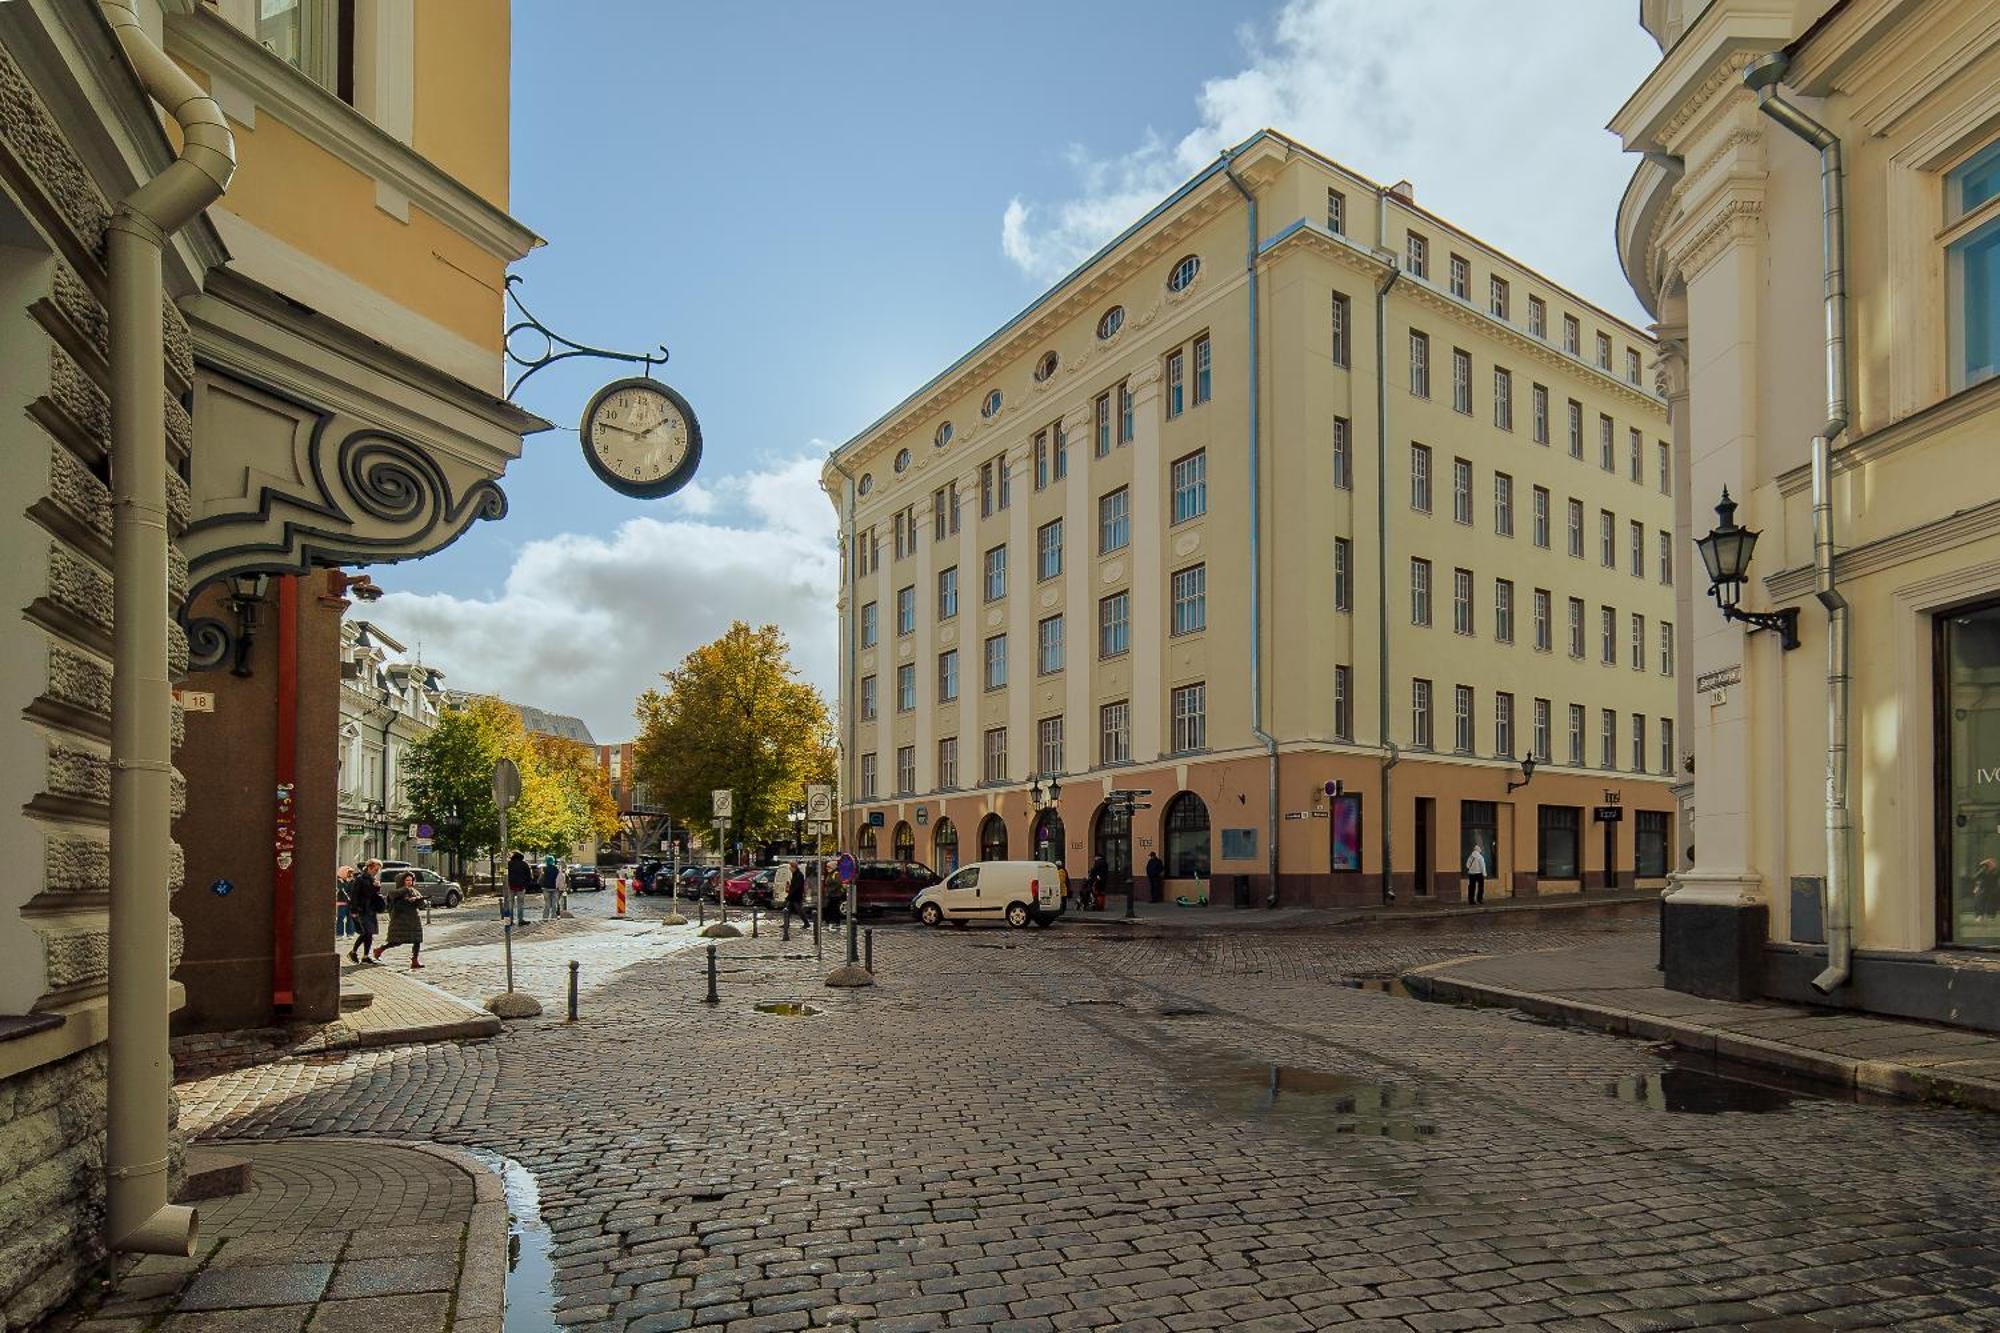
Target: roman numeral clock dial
<point>641,438</point>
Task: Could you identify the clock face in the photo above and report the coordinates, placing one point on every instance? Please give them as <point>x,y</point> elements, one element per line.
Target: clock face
<point>641,438</point>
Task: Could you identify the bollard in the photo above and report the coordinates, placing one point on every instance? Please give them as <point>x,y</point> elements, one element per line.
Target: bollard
<point>785,925</point>
<point>753,921</point>
<point>573,965</point>
<point>868,959</point>
<point>508,933</point>
<point>701,911</point>
<point>713,997</point>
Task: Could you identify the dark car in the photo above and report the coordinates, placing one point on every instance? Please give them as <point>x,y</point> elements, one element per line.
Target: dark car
<point>585,877</point>
<point>891,886</point>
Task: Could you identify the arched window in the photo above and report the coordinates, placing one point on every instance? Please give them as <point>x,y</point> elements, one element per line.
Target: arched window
<point>864,841</point>
<point>993,839</point>
<point>1047,841</point>
<point>905,841</point>
<point>1185,825</point>
<point>944,846</point>
<point>1110,322</point>
<point>1184,273</point>
<point>1111,838</point>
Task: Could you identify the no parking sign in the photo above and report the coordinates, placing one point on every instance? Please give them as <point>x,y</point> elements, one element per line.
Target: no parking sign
<point>846,868</point>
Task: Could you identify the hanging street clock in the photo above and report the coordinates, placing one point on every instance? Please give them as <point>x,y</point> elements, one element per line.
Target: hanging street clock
<point>641,438</point>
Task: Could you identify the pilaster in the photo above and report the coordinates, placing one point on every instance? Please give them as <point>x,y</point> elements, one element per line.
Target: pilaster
<point>1148,581</point>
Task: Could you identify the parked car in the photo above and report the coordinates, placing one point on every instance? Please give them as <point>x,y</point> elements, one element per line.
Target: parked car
<point>736,885</point>
<point>752,888</point>
<point>583,877</point>
<point>891,886</point>
<point>437,890</point>
<point>1017,892</point>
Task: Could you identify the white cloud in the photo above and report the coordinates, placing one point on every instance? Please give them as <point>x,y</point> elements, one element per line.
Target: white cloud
<point>1495,110</point>
<point>583,623</point>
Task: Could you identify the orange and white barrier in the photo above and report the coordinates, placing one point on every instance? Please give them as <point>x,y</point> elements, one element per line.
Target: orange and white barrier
<point>621,895</point>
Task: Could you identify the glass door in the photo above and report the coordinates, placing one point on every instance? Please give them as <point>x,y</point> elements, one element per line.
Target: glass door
<point>1968,676</point>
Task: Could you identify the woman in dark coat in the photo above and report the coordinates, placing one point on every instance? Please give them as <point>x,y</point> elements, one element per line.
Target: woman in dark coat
<point>406,919</point>
<point>519,880</point>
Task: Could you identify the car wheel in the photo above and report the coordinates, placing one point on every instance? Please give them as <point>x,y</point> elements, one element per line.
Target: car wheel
<point>1017,915</point>
<point>452,897</point>
<point>932,915</point>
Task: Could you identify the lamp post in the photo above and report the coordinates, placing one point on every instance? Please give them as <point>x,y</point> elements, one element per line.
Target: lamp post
<point>453,826</point>
<point>1725,553</point>
<point>246,596</point>
<point>1527,774</point>
<point>1044,798</point>
<point>795,815</point>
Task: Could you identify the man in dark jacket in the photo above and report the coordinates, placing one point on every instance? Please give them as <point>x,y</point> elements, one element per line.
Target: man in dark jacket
<point>364,905</point>
<point>1093,888</point>
<point>1156,875</point>
<point>795,894</point>
<point>519,880</point>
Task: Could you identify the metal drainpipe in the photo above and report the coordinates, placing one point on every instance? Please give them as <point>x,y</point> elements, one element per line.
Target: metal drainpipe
<point>1763,78</point>
<point>138,1217</point>
<point>852,634</point>
<point>1391,755</point>
<point>1256,535</point>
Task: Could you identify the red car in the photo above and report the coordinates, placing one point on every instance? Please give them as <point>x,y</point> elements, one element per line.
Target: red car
<point>750,886</point>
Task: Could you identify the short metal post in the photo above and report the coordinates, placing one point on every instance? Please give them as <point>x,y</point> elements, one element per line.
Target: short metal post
<point>868,946</point>
<point>508,932</point>
<point>819,910</point>
<point>753,921</point>
<point>785,925</point>
<point>701,911</point>
<point>713,997</point>
<point>573,965</point>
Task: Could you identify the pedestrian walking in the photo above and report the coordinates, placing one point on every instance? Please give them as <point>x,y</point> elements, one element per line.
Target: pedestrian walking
<point>343,925</point>
<point>1094,886</point>
<point>364,907</point>
<point>406,919</point>
<point>519,880</point>
<point>1156,876</point>
<point>795,894</point>
<point>1475,875</point>
<point>550,887</point>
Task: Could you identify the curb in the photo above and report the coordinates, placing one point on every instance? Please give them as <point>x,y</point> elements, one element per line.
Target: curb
<point>1256,918</point>
<point>1886,1077</point>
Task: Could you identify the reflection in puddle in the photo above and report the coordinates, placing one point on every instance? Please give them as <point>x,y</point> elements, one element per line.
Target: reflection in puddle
<point>788,1008</point>
<point>1691,1091</point>
<point>1316,1102</point>
<point>531,1273</point>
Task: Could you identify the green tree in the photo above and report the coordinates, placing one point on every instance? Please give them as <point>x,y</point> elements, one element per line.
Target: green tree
<point>735,715</point>
<point>450,773</point>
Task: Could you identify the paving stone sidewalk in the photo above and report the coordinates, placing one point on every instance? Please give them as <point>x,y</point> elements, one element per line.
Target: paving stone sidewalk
<point>334,1236</point>
<point>1615,985</point>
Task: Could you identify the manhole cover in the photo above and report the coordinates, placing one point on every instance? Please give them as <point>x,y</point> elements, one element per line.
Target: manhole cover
<point>787,1008</point>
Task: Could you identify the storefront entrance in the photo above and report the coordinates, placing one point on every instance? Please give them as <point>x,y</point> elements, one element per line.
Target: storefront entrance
<point>1967,645</point>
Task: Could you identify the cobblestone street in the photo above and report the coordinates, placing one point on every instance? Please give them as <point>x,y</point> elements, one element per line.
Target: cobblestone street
<point>1198,1129</point>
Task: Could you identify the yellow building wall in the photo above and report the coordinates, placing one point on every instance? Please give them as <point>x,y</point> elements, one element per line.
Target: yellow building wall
<point>462,80</point>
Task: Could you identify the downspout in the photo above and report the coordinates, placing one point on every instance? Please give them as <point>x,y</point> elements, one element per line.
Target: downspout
<point>138,1217</point>
<point>285,761</point>
<point>1391,756</point>
<point>1257,729</point>
<point>1763,78</point>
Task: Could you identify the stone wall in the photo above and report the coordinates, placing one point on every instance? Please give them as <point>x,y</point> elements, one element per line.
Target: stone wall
<point>51,1185</point>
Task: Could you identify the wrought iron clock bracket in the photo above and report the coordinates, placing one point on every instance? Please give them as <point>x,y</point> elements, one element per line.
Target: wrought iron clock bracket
<point>546,354</point>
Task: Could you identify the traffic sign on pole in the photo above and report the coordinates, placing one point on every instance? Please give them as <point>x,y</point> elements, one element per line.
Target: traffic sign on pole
<point>506,784</point>
<point>725,802</point>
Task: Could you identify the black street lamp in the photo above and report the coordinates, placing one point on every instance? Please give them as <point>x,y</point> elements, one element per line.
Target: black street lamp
<point>1035,793</point>
<point>1725,552</point>
<point>1527,774</point>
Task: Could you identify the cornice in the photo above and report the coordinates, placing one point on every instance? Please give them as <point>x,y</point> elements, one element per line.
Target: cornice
<point>1981,400</point>
<point>1710,56</point>
<point>1732,221</point>
<point>214,45</point>
<point>1939,535</point>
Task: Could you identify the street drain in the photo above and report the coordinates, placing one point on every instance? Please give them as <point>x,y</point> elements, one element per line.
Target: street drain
<point>787,1008</point>
<point>1380,985</point>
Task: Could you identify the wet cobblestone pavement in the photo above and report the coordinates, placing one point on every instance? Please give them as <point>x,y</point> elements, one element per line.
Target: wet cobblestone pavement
<point>1072,1129</point>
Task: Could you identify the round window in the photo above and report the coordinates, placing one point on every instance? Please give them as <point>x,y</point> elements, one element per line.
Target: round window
<point>1184,273</point>
<point>867,483</point>
<point>1047,365</point>
<point>1111,321</point>
<point>991,407</point>
<point>902,460</point>
<point>943,436</point>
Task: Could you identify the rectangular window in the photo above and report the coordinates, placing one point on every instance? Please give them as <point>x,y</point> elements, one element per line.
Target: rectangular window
<point>1538,317</point>
<point>1503,725</point>
<point>1461,381</point>
<point>1049,745</point>
<point>1607,748</point>
<point>1420,364</point>
<point>1575,429</point>
<point>1544,631</point>
<point>1972,266</point>
<point>1666,647</point>
<point>868,625</point>
<point>1541,502</point>
<point>1503,610</point>
<point>1114,733</point>
<point>1461,719</point>
<point>1124,413</point>
<point>1343,703</point>
<point>1539,398</point>
<point>1049,550</point>
<point>1503,398</point>
<point>906,687</point>
<point>1636,446</point>
<point>1343,458</point>
<point>1666,558</point>
<point>996,573</point>
<point>1420,714</point>
<point>906,769</point>
<point>1343,574</point>
<point>1176,390</point>
<point>1649,843</point>
<point>1576,528</point>
<point>1666,458</point>
<point>1638,642</point>
<point>1607,539</point>
<point>1461,601</point>
<point>1631,366</point>
<point>947,774</point>
<point>1417,255</point>
<point>986,489</point>
<point>1420,478</point>
<point>1496,297</point>
<point>948,675</point>
<point>1114,521</point>
<point>1668,759</point>
<point>1461,490</point>
<point>1638,742</point>
<point>1576,735</point>
<point>996,662</point>
<point>1190,599</point>
<point>1461,278</point>
<point>1049,646</point>
<point>1190,484</point>
<point>1607,450</point>
<point>996,754</point>
<point>1061,467</point>
<point>1006,470</point>
<point>1041,460</point>
<point>1336,212</point>
<point>1420,591</point>
<point>1576,627</point>
<point>1113,625</point>
<point>1503,504</point>
<point>1100,418</point>
<point>1343,324</point>
<point>1607,635</point>
<point>906,611</point>
<point>1604,351</point>
<point>1560,830</point>
<point>1204,373</point>
<point>1190,714</point>
<point>947,593</point>
<point>1638,550</point>
<point>868,777</point>
<point>1572,336</point>
<point>868,698</point>
<point>937,515</point>
<point>1538,737</point>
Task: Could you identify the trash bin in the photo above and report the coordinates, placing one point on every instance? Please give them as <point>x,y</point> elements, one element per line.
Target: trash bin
<point>1242,890</point>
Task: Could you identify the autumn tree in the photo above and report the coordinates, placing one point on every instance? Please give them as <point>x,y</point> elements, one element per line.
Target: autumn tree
<point>735,715</point>
<point>585,788</point>
<point>565,799</point>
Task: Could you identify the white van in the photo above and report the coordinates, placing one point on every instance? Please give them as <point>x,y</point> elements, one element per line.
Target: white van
<point>1016,892</point>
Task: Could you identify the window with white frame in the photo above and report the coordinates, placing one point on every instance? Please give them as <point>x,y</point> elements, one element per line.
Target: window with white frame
<point>1114,625</point>
<point>1049,550</point>
<point>996,573</point>
<point>1189,704</point>
<point>869,628</point>
<point>1668,759</point>
<point>996,662</point>
<point>1638,742</point>
<point>1461,277</point>
<point>1420,714</point>
<point>906,769</point>
<point>1503,504</point>
<point>1539,399</point>
<point>1343,323</point>
<point>1190,486</point>
<point>1538,317</point>
<point>1604,351</point>
<point>1607,450</point>
<point>1544,631</point>
<point>947,770</point>
<point>1636,442</point>
<point>1343,703</point>
<point>1638,642</point>
<point>1461,490</point>
<point>1607,626</point>
<point>1972,266</point>
<point>1420,591</point>
<point>1666,454</point>
<point>868,777</point>
<point>1336,212</point>
<point>1176,389</point>
<point>1496,297</point>
<point>1503,610</point>
<point>1538,736</point>
<point>1607,735</point>
<point>1666,557</point>
<point>1576,627</point>
<point>1204,370</point>
<point>1632,371</point>
<point>1114,733</point>
<point>906,611</point>
<point>906,687</point>
<point>1503,398</point>
<point>1572,336</point>
<point>1420,364</point>
<point>1461,601</point>
<point>1049,745</point>
<point>1461,381</point>
<point>1190,599</point>
<point>1666,647</point>
<point>1114,520</point>
<point>1575,511</point>
<point>1049,645</point>
<point>868,698</point>
<point>1420,478</point>
<point>948,675</point>
<point>1417,254</point>
<point>1575,429</point>
<point>1503,724</point>
<point>1461,719</point>
<point>1100,419</point>
<point>1576,735</point>
<point>1638,530</point>
<point>1343,458</point>
<point>947,597</point>
<point>1343,574</point>
<point>996,754</point>
<point>1541,504</point>
<point>1607,539</point>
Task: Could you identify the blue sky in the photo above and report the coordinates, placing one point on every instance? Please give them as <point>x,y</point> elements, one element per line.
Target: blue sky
<point>817,206</point>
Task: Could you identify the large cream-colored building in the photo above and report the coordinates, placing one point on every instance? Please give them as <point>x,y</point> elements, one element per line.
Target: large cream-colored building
<point>1395,515</point>
<point>1846,822</point>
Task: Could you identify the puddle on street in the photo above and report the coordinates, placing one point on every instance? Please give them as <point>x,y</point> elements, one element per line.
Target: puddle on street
<point>788,1008</point>
<point>1380,985</point>
<point>1689,1088</point>
<point>531,1272</point>
<point>1313,1101</point>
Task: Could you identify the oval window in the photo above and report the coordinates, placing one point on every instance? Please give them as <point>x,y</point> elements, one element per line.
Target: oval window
<point>1184,273</point>
<point>991,407</point>
<point>1111,321</point>
<point>943,436</point>
<point>902,460</point>
<point>1047,365</point>
<point>867,483</point>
